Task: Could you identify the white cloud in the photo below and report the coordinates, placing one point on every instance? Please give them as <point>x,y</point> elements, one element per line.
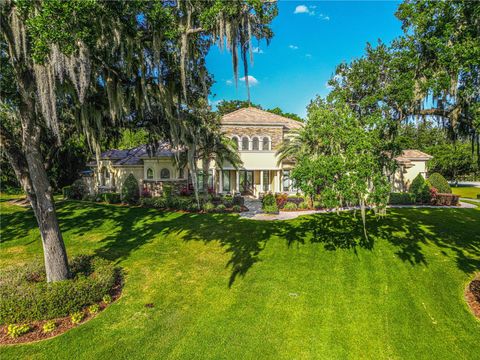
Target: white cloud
<point>257,50</point>
<point>303,9</point>
<point>293,47</point>
<point>324,17</point>
<point>251,80</point>
<point>214,103</point>
<point>308,55</point>
<point>229,82</point>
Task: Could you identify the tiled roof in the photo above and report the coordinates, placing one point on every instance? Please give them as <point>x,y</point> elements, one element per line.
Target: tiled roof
<point>136,155</point>
<point>254,116</point>
<point>413,155</point>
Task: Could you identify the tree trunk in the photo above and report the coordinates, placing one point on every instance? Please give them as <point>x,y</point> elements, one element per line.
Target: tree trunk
<point>55,255</point>
<point>205,163</point>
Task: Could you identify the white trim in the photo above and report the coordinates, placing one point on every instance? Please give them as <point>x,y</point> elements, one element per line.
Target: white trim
<point>269,142</point>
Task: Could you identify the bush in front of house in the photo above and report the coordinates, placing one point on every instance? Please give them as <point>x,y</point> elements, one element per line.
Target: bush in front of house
<point>236,208</point>
<point>270,209</point>
<point>437,181</point>
<point>227,201</point>
<point>420,189</point>
<point>76,191</point>
<point>303,205</point>
<point>295,199</point>
<point>269,200</point>
<point>238,200</point>
<point>208,207</point>
<point>290,206</point>
<point>445,199</point>
<point>398,198</point>
<point>317,204</point>
<point>26,296</point>
<point>281,200</point>
<point>111,198</point>
<point>221,208</point>
<point>130,190</point>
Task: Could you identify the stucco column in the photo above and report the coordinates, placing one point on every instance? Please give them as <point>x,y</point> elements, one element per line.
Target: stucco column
<point>237,184</point>
<point>220,180</point>
<point>261,181</point>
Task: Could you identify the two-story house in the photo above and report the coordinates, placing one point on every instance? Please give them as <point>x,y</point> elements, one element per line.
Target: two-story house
<point>258,135</point>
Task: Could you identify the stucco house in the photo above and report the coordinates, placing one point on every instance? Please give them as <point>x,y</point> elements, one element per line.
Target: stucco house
<point>258,135</point>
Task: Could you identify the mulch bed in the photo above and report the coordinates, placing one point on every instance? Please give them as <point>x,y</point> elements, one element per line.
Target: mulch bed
<point>63,325</point>
<point>473,304</point>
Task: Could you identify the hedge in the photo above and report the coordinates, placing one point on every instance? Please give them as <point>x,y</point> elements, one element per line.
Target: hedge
<point>111,198</point>
<point>26,296</point>
<point>440,183</point>
<point>446,199</point>
<point>401,199</point>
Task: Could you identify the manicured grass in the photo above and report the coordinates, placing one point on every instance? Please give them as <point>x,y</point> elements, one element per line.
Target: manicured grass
<point>466,191</point>
<point>230,288</point>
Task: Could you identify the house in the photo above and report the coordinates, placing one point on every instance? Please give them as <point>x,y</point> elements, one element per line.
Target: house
<point>258,135</point>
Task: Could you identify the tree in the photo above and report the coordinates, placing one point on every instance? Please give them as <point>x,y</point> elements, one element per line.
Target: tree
<point>451,160</point>
<point>91,63</point>
<point>338,157</point>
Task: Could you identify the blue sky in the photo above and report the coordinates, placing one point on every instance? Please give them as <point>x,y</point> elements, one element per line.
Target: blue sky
<point>311,38</point>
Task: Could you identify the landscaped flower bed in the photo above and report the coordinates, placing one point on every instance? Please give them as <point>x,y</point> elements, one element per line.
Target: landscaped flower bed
<point>472,295</point>
<point>32,309</point>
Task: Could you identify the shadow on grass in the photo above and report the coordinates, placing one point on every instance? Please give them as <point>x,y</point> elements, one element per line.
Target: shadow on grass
<point>455,232</point>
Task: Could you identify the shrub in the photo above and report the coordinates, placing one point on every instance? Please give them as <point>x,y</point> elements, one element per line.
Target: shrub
<point>76,191</point>
<point>193,207</point>
<point>303,205</point>
<point>289,206</point>
<point>269,200</point>
<point>238,200</point>
<point>227,201</point>
<point>26,296</point>
<point>237,208</point>
<point>111,198</point>
<point>14,331</point>
<point>146,193</point>
<point>440,183</point>
<point>76,317</point>
<point>420,189</point>
<point>208,207</point>
<point>401,198</point>
<point>446,199</point>
<point>317,204</point>
<point>130,190</point>
<point>474,287</point>
<point>271,209</point>
<point>295,199</point>
<point>221,208</point>
<point>167,190</point>
<point>49,326</point>
<point>90,197</point>
<point>107,299</point>
<point>478,196</point>
<point>281,200</point>
<point>93,309</point>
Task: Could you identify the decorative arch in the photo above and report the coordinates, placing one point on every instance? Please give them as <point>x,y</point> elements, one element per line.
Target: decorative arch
<point>245,143</point>
<point>255,143</point>
<point>236,141</point>
<point>150,174</point>
<point>266,143</point>
<point>165,174</point>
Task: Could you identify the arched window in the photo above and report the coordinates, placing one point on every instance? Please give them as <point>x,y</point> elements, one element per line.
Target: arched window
<point>164,173</point>
<point>235,141</point>
<point>245,143</point>
<point>255,144</point>
<point>149,174</point>
<point>266,143</point>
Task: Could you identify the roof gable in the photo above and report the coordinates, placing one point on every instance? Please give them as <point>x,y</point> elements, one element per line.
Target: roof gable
<point>254,116</point>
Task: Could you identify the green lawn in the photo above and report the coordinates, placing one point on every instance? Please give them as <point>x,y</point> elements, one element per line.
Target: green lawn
<point>230,288</point>
<point>466,191</point>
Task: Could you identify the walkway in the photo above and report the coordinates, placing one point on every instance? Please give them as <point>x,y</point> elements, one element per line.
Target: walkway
<point>255,213</point>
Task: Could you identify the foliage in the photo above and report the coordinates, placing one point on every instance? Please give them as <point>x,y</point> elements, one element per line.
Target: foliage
<point>269,200</point>
<point>220,208</point>
<point>317,204</point>
<point>401,198</point>
<point>445,199</point>
<point>15,331</point>
<point>93,309</point>
<point>25,295</point>
<point>417,185</point>
<point>270,209</point>
<point>236,208</point>
<point>451,160</point>
<point>303,205</point>
<point>130,190</point>
<point>76,191</point>
<point>208,207</point>
<point>238,200</point>
<point>290,206</point>
<point>112,198</point>
<point>474,287</point>
<point>438,182</point>
<point>49,326</point>
<point>295,199</point>
<point>77,317</point>
<point>281,200</point>
<point>107,299</point>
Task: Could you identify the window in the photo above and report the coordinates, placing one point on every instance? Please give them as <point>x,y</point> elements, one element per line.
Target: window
<point>164,173</point>
<point>266,180</point>
<point>181,173</point>
<point>245,142</point>
<point>266,143</point>
<point>149,174</point>
<point>226,180</point>
<point>255,144</point>
<point>287,182</point>
<point>235,142</point>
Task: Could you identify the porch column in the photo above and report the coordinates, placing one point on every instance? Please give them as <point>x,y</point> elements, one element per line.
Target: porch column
<point>237,184</point>
<point>220,180</point>
<point>280,180</point>
<point>261,181</point>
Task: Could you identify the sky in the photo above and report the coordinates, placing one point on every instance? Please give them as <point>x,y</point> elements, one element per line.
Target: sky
<point>310,39</point>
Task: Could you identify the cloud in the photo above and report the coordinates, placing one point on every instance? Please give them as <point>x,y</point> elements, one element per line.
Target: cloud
<point>303,9</point>
<point>251,80</point>
<point>257,50</point>
<point>214,103</point>
<point>293,47</point>
<point>324,17</point>
<point>229,82</point>
<point>308,55</point>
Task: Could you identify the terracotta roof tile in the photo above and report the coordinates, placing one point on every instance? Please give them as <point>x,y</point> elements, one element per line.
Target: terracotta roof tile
<point>254,116</point>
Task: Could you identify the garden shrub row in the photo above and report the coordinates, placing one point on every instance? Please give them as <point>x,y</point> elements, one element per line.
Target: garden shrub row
<point>401,198</point>
<point>26,296</point>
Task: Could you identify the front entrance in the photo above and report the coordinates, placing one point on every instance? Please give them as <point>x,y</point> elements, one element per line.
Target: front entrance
<point>246,182</point>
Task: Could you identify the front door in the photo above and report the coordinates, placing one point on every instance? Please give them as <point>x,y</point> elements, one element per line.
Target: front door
<point>246,182</point>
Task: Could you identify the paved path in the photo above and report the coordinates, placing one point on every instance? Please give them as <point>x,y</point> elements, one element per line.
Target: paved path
<point>256,212</point>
